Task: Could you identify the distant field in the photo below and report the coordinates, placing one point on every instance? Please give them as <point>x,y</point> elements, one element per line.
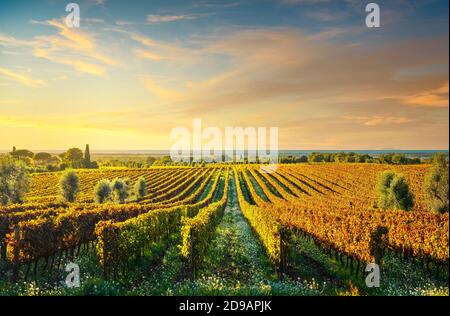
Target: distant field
<point>306,229</point>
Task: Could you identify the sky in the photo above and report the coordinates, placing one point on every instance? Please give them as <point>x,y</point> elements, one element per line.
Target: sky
<point>134,70</point>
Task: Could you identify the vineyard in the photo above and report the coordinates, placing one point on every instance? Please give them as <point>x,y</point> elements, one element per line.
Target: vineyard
<point>305,229</point>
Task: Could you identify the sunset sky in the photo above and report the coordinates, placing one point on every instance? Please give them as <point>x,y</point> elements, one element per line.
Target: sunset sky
<point>134,70</point>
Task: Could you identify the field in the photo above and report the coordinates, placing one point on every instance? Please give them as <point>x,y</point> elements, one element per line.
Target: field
<point>305,229</point>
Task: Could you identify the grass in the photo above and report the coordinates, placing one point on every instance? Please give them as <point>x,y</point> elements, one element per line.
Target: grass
<point>398,278</point>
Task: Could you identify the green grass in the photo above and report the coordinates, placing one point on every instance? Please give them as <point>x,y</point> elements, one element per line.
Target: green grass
<point>398,278</point>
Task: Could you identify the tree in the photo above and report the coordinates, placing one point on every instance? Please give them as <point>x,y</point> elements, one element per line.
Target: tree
<point>364,158</point>
<point>102,191</point>
<point>393,192</point>
<point>414,161</point>
<point>150,160</point>
<point>42,156</point>
<point>315,157</point>
<point>436,184</point>
<point>14,180</point>
<point>385,158</point>
<point>73,157</point>
<point>140,188</point>
<point>163,161</point>
<point>350,158</point>
<point>340,157</point>
<point>69,186</point>
<point>120,190</point>
<point>22,153</point>
<point>87,157</point>
<point>301,159</point>
<point>399,159</point>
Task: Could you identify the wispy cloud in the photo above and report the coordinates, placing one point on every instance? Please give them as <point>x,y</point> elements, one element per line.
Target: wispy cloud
<point>378,120</point>
<point>325,15</point>
<point>22,78</point>
<point>433,98</point>
<point>158,50</point>
<point>10,41</point>
<point>72,47</point>
<point>157,18</point>
<point>163,93</point>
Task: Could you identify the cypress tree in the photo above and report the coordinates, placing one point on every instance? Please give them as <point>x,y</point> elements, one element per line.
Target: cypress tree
<point>87,157</point>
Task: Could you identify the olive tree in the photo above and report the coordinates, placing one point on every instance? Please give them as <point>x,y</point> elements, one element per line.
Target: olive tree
<point>436,184</point>
<point>140,188</point>
<point>102,191</point>
<point>14,180</point>
<point>120,190</point>
<point>393,192</point>
<point>69,186</point>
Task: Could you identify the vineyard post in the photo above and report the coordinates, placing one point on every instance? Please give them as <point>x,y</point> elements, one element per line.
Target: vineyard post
<point>282,265</point>
<point>3,250</point>
<point>191,255</point>
<point>105,255</point>
<point>16,254</point>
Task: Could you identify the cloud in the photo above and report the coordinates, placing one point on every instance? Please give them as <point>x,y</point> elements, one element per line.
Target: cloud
<point>378,120</point>
<point>158,50</point>
<point>93,21</point>
<point>434,98</point>
<point>78,65</point>
<point>10,41</point>
<point>145,54</point>
<point>327,15</point>
<point>160,18</point>
<point>71,46</point>
<point>162,93</point>
<point>307,85</point>
<point>281,63</point>
<point>24,79</point>
<point>156,18</point>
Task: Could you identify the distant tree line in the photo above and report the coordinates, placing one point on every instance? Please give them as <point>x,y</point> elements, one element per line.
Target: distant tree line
<point>146,162</point>
<point>391,158</point>
<point>351,157</point>
<point>74,158</point>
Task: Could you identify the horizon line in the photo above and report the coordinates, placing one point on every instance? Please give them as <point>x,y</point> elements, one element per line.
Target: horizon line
<point>168,150</point>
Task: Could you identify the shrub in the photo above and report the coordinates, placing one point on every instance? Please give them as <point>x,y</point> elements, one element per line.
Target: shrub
<point>140,188</point>
<point>436,185</point>
<point>69,186</point>
<point>102,191</point>
<point>393,192</point>
<point>120,190</point>
<point>14,180</point>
